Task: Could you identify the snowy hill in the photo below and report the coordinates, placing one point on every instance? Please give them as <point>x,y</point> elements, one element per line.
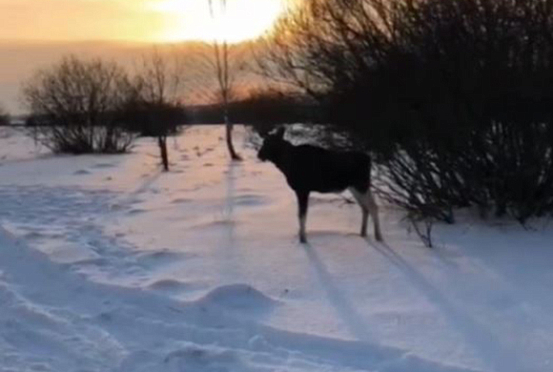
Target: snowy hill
<point>107,264</point>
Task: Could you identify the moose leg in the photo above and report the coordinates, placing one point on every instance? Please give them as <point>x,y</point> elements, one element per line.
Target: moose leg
<point>364,223</point>
<point>373,209</point>
<point>359,197</point>
<point>369,206</point>
<point>303,202</point>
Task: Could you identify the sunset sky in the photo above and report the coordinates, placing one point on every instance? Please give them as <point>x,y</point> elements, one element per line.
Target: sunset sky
<point>38,33</point>
<point>134,20</point>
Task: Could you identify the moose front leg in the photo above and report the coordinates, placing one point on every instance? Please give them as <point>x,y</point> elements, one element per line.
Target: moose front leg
<point>303,203</point>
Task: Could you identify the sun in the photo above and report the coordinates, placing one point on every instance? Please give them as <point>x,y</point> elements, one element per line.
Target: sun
<point>240,21</point>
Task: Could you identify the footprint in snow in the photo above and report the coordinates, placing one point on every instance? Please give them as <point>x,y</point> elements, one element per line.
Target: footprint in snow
<point>104,165</point>
<point>162,257</point>
<point>175,286</point>
<point>136,211</point>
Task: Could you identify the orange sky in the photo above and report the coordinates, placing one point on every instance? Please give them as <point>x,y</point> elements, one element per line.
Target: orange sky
<point>133,20</point>
<point>37,33</point>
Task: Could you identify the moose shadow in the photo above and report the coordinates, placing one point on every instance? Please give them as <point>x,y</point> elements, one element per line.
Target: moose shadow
<point>488,347</point>
<point>356,325</point>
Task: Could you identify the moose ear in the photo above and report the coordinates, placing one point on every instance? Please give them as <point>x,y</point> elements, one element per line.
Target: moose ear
<point>280,132</point>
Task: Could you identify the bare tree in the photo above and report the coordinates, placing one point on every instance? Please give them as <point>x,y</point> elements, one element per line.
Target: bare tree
<point>223,72</point>
<point>159,82</point>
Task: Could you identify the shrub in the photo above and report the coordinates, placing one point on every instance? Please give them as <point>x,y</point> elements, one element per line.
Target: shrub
<point>449,96</point>
<point>75,106</point>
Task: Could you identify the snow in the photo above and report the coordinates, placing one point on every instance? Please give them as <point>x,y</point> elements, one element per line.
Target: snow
<point>108,264</point>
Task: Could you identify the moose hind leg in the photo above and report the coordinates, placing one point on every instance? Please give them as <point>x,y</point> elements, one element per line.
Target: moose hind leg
<point>364,222</point>
<point>303,202</point>
<point>373,209</point>
<point>360,198</point>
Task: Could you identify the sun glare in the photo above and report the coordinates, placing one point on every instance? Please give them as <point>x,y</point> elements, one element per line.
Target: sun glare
<point>241,21</point>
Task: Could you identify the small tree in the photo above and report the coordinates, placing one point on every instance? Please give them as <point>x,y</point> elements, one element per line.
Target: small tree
<point>223,72</point>
<point>75,106</point>
<point>157,108</point>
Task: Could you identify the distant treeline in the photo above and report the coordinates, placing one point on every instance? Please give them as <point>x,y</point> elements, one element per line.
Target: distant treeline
<point>262,109</point>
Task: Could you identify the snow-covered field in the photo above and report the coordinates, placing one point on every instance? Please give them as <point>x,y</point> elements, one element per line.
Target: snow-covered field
<point>107,264</point>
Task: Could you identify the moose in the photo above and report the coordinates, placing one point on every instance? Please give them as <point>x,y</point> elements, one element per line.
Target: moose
<point>309,169</point>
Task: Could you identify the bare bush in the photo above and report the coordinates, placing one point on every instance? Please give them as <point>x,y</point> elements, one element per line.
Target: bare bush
<point>448,95</point>
<point>75,106</point>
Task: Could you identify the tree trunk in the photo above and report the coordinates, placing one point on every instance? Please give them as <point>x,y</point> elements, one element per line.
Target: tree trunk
<point>229,126</point>
<point>162,142</point>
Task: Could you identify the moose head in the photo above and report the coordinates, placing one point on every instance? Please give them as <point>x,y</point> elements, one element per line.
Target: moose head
<point>272,145</point>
